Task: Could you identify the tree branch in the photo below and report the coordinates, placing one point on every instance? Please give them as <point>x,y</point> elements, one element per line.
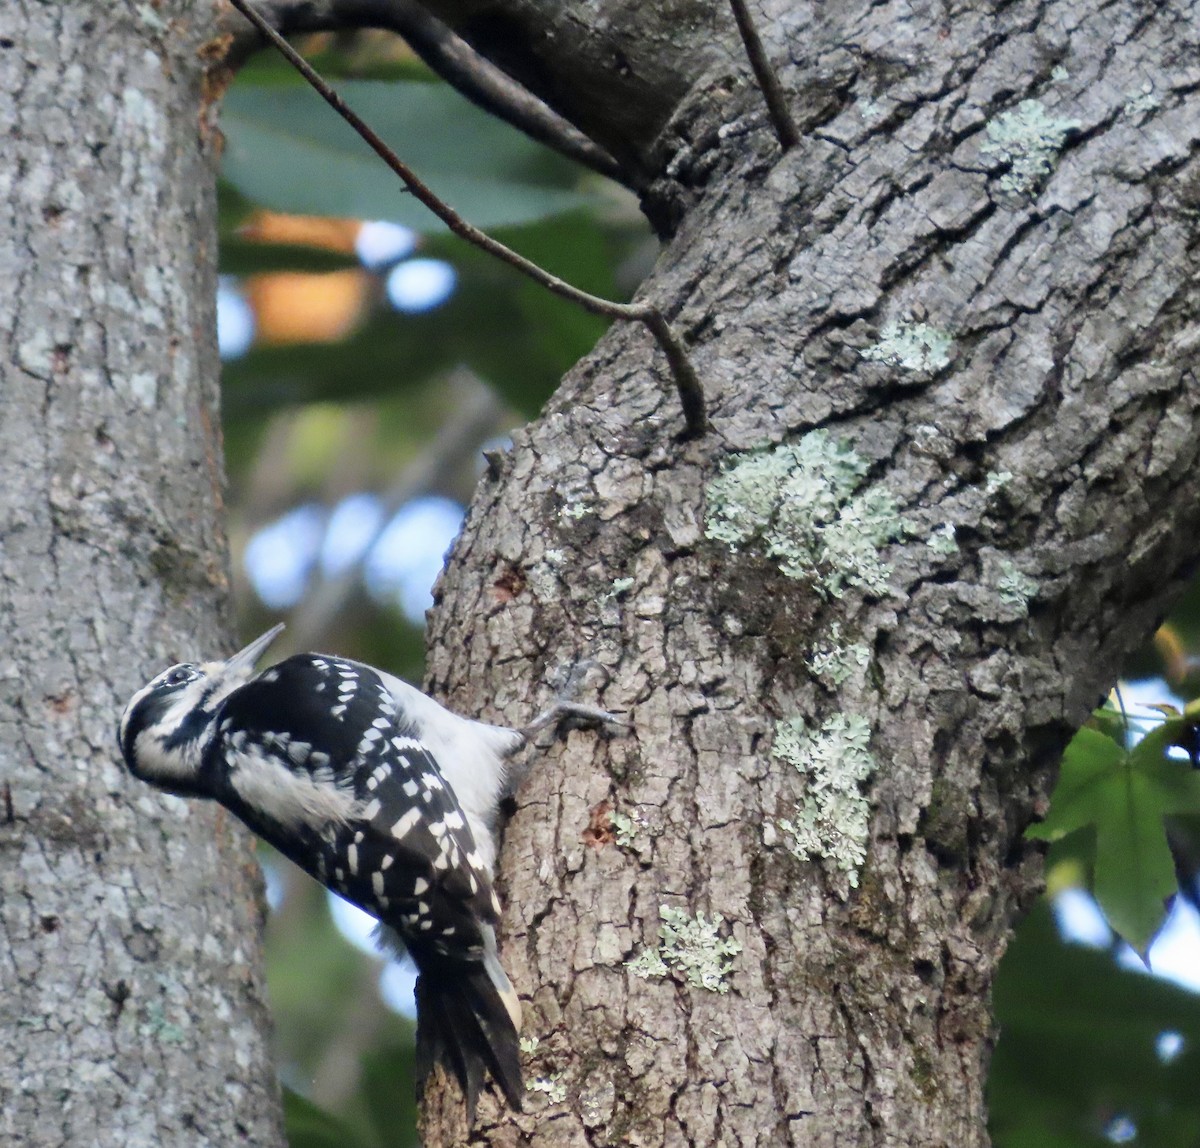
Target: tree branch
<point>764,73</point>
<point>447,55</point>
<point>691,394</point>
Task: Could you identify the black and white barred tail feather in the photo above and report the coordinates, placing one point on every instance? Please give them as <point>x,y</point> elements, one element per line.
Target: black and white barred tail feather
<point>464,1025</point>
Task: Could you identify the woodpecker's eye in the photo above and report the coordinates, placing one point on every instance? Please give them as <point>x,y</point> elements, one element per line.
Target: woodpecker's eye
<point>181,674</point>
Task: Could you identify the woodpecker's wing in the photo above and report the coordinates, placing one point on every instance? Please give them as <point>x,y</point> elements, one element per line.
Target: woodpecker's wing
<point>317,756</point>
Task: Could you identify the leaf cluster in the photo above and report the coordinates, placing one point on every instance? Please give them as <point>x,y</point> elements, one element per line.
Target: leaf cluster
<point>287,151</point>
<point>1112,808</point>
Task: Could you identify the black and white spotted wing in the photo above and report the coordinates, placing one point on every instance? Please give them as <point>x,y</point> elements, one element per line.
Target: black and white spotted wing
<point>343,787</point>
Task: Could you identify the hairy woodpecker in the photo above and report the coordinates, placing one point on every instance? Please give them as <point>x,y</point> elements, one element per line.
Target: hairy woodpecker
<point>379,793</point>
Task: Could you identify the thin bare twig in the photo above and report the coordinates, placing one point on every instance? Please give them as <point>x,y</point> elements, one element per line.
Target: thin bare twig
<point>451,58</point>
<point>768,82</point>
<point>691,394</point>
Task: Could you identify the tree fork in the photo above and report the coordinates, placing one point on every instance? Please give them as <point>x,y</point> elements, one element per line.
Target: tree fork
<point>687,382</point>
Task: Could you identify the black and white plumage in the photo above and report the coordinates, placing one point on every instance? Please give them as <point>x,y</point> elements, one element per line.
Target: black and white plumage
<point>379,793</point>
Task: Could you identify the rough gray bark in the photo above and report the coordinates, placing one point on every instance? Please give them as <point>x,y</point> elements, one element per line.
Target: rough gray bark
<point>131,997</point>
<point>995,304</point>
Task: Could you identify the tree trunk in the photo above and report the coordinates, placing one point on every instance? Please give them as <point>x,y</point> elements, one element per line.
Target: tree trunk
<point>956,326</point>
<point>131,995</point>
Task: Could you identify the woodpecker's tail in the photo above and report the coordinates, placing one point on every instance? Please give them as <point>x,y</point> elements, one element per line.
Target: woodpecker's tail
<point>468,1016</point>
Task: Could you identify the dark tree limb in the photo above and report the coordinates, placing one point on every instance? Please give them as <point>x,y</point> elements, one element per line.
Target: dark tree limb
<point>447,55</point>
<point>691,394</point>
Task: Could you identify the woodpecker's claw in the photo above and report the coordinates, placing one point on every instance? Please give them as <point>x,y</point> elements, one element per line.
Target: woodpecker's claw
<point>580,712</point>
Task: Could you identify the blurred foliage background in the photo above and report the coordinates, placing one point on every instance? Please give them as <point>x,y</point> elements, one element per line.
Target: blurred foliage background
<point>369,359</point>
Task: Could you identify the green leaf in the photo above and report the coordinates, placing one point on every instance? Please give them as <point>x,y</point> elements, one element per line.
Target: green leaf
<point>1134,873</point>
<point>1110,721</point>
<point>1071,860</point>
<point>1124,796</point>
<point>1179,785</point>
<point>286,149</point>
<point>1087,768</point>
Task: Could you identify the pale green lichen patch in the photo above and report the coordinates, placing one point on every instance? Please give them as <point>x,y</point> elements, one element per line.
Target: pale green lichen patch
<point>150,17</point>
<point>1143,102</point>
<point>574,510</point>
<point>996,480</point>
<point>943,541</point>
<point>619,587</point>
<point>833,818</point>
<point>159,1026</point>
<point>834,660</point>
<point>1028,140</point>
<point>648,964</point>
<point>800,504</point>
<point>528,1044</point>
<point>552,1086</point>
<point>913,346</point>
<point>625,829</point>
<point>692,946</point>
<point>1016,589</point>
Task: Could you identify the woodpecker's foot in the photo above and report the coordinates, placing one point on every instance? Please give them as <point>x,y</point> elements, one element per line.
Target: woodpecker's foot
<point>579,714</point>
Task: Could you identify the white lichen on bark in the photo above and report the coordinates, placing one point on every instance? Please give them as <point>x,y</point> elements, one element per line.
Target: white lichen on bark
<point>832,819</point>
<point>996,481</point>
<point>913,346</point>
<point>1016,589</point>
<point>692,946</point>
<point>943,540</point>
<point>834,660</point>
<point>619,587</point>
<point>1142,102</point>
<point>1028,140</point>
<point>625,828</point>
<point>800,505</point>
<point>551,1086</point>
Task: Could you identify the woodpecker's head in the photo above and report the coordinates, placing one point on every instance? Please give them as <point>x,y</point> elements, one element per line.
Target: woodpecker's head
<point>167,722</point>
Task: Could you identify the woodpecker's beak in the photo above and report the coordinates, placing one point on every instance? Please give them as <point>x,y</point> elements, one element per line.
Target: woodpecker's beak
<point>241,665</point>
